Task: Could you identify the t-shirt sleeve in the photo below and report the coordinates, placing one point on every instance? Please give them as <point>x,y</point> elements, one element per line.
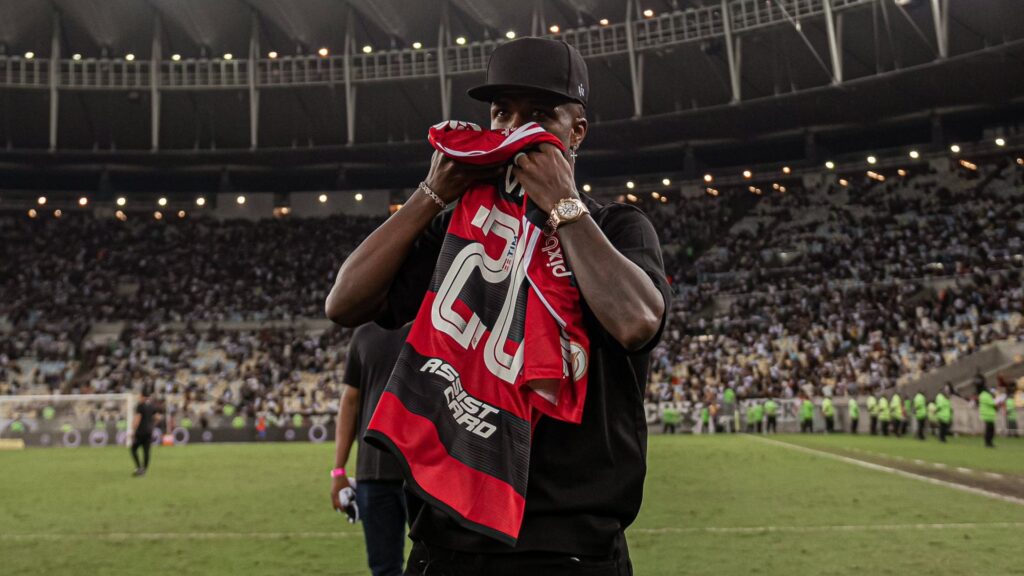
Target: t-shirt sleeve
<point>413,278</point>
<point>633,235</point>
<point>353,364</point>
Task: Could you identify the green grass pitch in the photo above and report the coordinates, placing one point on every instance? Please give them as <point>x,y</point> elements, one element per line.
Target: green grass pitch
<point>713,506</point>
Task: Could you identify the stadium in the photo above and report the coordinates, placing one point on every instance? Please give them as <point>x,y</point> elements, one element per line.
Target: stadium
<point>800,231</point>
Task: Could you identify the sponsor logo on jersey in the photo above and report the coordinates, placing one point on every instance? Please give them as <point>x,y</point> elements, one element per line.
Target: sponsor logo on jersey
<point>467,411</point>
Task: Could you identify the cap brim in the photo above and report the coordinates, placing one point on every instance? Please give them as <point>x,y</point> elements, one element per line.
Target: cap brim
<point>488,92</point>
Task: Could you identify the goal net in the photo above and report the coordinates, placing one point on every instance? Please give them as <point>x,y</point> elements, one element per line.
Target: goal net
<point>67,420</point>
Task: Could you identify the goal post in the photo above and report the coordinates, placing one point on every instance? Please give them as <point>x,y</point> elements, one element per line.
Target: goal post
<point>69,420</point>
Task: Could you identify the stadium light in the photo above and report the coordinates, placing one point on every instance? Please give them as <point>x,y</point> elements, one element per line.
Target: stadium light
<point>200,201</point>
<point>129,57</point>
<point>712,192</point>
<point>786,170</point>
<point>240,200</point>
<point>228,56</point>
<point>461,40</point>
<point>32,213</point>
<point>272,55</point>
<point>782,189</point>
<point>41,200</point>
<point>181,213</point>
<point>121,201</point>
<point>830,165</point>
<point>666,182</point>
<point>664,199</point>
<point>844,182</point>
<point>83,201</point>
<point>655,195</point>
<point>709,178</point>
<point>176,57</point>
<point>323,52</point>
<point>955,148</point>
<point>915,154</point>
<point>1020,161</point>
<point>511,34</point>
<point>367,49</point>
<point>162,201</point>
<point>901,172</point>
<point>648,13</point>
<point>120,215</point>
<point>554,29</point>
<point>76,57</point>
<point>322,198</point>
<point>586,187</point>
<point>30,55</point>
<point>58,213</point>
<point>417,45</point>
<point>748,174</point>
<point>631,197</point>
<point>604,22</point>
<point>872,160</point>
<point>630,185</point>
<point>1000,142</point>
<point>359,197</point>
<point>158,215</point>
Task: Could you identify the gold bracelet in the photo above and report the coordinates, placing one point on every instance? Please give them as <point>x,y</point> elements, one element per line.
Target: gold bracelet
<point>437,199</point>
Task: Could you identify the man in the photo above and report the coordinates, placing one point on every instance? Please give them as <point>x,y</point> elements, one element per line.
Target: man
<point>670,418</point>
<point>987,412</point>
<point>1011,414</point>
<point>380,496</point>
<point>729,413</point>
<point>146,416</point>
<point>771,410</point>
<point>920,413</point>
<point>854,413</point>
<point>944,411</point>
<point>806,414</point>
<point>580,499</point>
<point>828,410</point>
<point>758,410</point>
<point>896,414</point>
<point>933,418</point>
<point>873,414</point>
<point>883,413</point>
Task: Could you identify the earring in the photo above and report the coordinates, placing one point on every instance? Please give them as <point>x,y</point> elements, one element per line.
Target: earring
<point>572,152</point>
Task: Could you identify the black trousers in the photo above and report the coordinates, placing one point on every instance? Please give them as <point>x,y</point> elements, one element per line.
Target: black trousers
<point>144,441</point>
<point>874,425</point>
<point>426,560</point>
<point>990,433</point>
<point>668,428</point>
<point>806,426</point>
<point>943,431</point>
<point>758,426</point>
<point>771,427</point>
<point>853,425</point>
<point>1011,428</point>
<point>920,428</point>
<point>906,425</point>
<point>830,424</point>
<point>885,427</point>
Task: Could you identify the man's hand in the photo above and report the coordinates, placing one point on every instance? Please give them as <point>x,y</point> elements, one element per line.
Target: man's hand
<point>449,179</point>
<point>339,484</point>
<point>546,177</point>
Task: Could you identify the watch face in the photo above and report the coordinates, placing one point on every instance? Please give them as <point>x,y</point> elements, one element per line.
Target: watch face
<point>568,209</point>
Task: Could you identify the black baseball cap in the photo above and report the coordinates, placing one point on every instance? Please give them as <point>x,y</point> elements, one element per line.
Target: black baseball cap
<point>551,66</point>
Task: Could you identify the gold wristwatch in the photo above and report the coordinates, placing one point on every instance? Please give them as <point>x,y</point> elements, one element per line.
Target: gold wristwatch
<point>567,210</point>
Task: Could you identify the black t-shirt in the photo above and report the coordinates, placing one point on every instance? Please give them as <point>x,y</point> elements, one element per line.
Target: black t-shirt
<point>147,411</point>
<point>586,481</point>
<point>371,358</point>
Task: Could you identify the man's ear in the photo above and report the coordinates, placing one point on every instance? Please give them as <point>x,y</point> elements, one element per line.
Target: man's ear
<point>579,130</point>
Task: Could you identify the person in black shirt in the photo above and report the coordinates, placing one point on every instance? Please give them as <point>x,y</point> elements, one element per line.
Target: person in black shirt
<point>384,507</point>
<point>585,481</point>
<point>142,432</point>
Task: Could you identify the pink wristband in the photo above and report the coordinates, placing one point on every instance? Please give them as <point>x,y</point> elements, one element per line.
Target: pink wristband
<point>337,472</point>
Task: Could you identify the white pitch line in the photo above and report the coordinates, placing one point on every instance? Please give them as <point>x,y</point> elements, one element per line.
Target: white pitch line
<point>963,470</point>
<point>994,475</point>
<point>896,471</point>
<point>129,536</point>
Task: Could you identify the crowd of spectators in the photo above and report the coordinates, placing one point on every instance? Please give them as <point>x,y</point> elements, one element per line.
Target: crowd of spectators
<point>834,288</point>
